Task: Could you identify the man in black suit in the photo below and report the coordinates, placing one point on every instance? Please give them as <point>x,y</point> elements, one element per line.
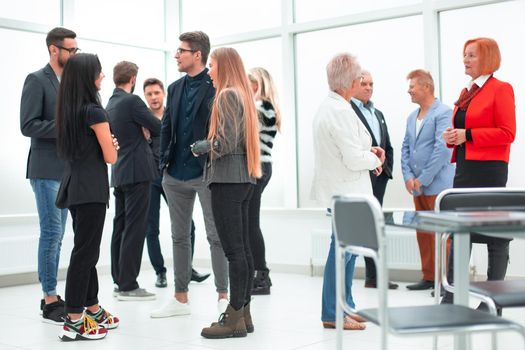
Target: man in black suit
<point>131,177</point>
<point>186,121</point>
<point>374,122</point>
<point>44,168</point>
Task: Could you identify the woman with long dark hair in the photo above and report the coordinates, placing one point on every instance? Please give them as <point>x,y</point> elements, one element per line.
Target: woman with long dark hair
<point>232,167</point>
<point>85,143</point>
<point>269,114</point>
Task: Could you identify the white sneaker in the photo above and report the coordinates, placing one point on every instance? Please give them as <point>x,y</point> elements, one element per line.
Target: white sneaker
<point>222,304</point>
<point>172,308</point>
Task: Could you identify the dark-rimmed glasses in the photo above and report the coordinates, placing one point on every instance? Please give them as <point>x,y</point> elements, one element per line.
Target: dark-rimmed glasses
<point>71,50</point>
<point>180,50</point>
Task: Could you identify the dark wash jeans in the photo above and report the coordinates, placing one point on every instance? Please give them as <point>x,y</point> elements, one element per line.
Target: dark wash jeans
<point>230,205</point>
<point>82,280</point>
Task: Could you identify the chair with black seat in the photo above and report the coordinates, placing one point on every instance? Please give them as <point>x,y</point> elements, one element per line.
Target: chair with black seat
<point>496,294</point>
<point>359,229</point>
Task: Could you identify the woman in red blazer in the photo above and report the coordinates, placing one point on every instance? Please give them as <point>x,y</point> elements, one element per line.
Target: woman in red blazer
<point>484,126</point>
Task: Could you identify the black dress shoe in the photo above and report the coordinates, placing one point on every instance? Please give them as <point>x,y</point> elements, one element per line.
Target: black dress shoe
<point>421,285</point>
<point>373,284</point>
<point>161,280</point>
<point>198,277</point>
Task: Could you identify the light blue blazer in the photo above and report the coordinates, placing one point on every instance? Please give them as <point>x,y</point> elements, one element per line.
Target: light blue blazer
<point>426,157</point>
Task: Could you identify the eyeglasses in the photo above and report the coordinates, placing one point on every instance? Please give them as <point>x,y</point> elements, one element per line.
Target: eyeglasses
<point>71,50</point>
<point>180,50</point>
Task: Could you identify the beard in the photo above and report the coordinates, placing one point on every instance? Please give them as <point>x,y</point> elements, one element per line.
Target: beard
<point>61,61</point>
<point>132,89</point>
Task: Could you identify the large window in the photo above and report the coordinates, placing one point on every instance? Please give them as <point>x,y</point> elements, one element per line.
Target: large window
<point>389,50</point>
<point>150,62</point>
<point>135,22</point>
<point>27,53</point>
<point>220,18</point>
<point>505,30</point>
<point>36,11</point>
<point>312,10</point>
<point>267,54</point>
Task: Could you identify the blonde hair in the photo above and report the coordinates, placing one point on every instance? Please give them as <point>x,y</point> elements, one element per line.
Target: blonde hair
<point>266,90</point>
<point>423,77</point>
<point>231,76</point>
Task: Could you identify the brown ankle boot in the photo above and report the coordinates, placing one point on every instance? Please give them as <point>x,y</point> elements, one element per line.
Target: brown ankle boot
<point>248,319</point>
<point>231,324</point>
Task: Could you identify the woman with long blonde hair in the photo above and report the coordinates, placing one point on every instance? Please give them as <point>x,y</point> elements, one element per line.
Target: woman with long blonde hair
<point>267,105</point>
<point>233,165</point>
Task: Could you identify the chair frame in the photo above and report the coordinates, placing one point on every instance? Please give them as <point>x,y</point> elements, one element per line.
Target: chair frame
<point>380,258</point>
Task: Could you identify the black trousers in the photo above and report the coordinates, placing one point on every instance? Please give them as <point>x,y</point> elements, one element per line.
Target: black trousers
<point>481,174</point>
<point>379,187</point>
<point>129,232</point>
<point>82,280</point>
<point>230,205</point>
<point>256,237</point>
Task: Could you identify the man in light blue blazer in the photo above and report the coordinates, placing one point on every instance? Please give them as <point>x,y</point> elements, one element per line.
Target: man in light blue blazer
<point>425,160</point>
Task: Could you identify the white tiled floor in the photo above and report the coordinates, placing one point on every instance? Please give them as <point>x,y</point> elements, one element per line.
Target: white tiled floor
<point>288,319</point>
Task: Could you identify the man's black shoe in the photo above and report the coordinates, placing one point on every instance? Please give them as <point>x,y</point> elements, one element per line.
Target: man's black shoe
<point>161,280</point>
<point>421,285</point>
<point>373,284</point>
<point>198,277</point>
<point>43,302</point>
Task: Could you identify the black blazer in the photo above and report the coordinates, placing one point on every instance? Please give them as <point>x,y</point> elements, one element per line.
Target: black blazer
<point>385,138</point>
<point>127,115</point>
<point>203,105</point>
<point>37,121</point>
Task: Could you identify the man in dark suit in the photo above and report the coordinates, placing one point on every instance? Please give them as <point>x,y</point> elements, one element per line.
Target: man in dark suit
<point>131,177</point>
<point>374,121</point>
<point>186,121</point>
<point>44,168</point>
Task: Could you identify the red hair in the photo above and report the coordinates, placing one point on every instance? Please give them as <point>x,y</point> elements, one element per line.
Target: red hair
<point>232,76</point>
<point>488,52</point>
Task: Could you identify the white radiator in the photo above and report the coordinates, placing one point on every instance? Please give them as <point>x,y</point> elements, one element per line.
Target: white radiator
<point>403,251</point>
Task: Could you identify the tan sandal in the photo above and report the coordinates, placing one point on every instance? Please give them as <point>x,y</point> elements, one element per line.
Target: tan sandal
<point>349,325</point>
<point>356,317</point>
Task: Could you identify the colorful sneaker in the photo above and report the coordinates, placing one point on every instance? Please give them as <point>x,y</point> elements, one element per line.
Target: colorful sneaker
<point>104,318</point>
<point>84,329</point>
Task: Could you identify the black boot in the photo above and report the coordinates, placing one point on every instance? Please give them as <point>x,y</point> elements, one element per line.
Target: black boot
<point>261,283</point>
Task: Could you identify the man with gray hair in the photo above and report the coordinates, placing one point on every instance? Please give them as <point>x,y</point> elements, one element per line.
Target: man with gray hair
<point>374,121</point>
<point>342,151</point>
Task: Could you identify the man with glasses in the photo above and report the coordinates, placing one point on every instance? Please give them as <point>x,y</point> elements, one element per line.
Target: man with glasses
<point>44,168</point>
<point>185,121</point>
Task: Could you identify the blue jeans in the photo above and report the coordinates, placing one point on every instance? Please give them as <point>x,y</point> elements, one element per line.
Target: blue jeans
<point>52,226</point>
<point>328,299</point>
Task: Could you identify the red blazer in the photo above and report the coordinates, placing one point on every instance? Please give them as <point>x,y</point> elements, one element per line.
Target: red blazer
<point>491,117</point>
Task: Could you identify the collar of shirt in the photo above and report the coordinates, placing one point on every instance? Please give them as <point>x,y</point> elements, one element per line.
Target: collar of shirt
<point>198,77</point>
<point>479,81</point>
<point>361,105</point>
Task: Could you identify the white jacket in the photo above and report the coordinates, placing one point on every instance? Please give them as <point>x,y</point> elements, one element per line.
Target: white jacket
<point>342,156</point>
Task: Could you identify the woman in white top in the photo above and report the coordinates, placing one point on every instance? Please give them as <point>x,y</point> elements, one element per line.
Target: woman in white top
<point>343,158</point>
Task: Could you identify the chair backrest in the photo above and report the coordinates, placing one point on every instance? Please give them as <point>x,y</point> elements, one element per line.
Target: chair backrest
<point>358,221</point>
<point>481,199</point>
